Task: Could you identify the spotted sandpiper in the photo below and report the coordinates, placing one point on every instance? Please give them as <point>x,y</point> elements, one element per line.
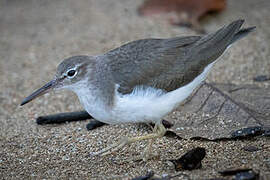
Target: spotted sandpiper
<point>143,80</point>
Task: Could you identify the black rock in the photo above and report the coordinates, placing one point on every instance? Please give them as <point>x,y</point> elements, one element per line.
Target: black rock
<point>191,160</point>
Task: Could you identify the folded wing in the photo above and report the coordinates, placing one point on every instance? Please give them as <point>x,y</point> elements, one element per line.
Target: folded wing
<point>167,64</point>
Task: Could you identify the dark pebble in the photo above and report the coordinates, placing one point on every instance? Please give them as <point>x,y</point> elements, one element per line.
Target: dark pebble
<point>191,160</point>
<point>250,148</point>
<point>261,78</point>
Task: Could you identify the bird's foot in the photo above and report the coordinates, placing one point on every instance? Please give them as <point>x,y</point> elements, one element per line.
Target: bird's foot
<point>147,153</point>
<point>114,147</point>
<point>158,131</point>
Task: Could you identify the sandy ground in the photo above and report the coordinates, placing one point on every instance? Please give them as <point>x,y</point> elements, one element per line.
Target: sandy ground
<point>35,36</point>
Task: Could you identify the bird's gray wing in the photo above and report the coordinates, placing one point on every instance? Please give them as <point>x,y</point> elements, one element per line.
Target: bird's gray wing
<point>142,62</point>
<point>166,64</point>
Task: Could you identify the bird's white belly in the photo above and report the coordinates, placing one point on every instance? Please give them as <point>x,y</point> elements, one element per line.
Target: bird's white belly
<point>151,105</point>
<point>144,104</point>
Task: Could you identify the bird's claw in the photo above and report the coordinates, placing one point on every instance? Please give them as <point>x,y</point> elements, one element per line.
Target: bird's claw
<point>114,147</point>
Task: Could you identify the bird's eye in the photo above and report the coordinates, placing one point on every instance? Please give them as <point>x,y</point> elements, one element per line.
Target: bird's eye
<point>71,73</point>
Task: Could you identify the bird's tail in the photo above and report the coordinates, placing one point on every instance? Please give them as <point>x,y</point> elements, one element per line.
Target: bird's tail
<point>242,33</point>
<point>211,46</point>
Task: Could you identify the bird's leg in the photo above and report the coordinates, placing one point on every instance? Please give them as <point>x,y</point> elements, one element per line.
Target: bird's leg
<point>159,131</point>
<point>148,150</point>
<point>147,153</point>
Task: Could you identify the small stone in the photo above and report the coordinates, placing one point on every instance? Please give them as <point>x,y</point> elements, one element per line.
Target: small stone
<point>261,78</point>
<point>66,158</point>
<point>251,148</point>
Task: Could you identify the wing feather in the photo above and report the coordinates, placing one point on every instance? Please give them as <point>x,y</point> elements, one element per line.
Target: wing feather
<point>167,64</point>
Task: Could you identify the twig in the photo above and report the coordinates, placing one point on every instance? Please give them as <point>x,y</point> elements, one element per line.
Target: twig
<point>63,117</point>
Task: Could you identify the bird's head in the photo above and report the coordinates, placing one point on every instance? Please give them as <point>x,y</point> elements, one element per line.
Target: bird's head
<point>72,73</point>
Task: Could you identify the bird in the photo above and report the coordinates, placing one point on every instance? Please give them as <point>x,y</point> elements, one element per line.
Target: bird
<point>143,80</point>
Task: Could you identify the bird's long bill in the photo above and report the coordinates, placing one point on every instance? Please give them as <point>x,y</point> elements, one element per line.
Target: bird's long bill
<point>43,90</point>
